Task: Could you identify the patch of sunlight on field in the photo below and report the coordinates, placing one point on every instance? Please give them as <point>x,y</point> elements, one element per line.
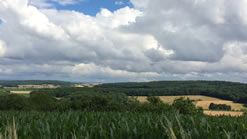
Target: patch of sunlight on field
<point>204,102</point>
<point>221,113</point>
<point>20,92</point>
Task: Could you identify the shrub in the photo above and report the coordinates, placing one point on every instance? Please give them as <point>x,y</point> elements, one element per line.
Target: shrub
<point>63,105</point>
<point>155,108</point>
<point>132,104</point>
<point>154,100</point>
<point>99,102</point>
<point>79,102</point>
<point>42,101</point>
<point>186,106</point>
<point>13,102</point>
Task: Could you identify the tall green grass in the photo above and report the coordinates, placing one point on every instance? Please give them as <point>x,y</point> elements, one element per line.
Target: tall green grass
<point>104,125</point>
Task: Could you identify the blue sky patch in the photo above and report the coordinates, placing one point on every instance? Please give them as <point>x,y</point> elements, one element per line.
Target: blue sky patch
<point>92,7</point>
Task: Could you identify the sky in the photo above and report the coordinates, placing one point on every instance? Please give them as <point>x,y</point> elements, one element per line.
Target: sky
<point>123,40</point>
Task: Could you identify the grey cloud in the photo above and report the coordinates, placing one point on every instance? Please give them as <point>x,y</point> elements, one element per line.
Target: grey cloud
<point>195,30</point>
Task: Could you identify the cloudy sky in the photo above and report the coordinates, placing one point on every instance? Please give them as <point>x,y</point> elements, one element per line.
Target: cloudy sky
<point>121,40</point>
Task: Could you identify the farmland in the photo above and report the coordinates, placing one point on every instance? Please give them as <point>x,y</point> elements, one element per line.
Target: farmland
<point>119,125</point>
<point>119,111</point>
<point>226,113</point>
<point>20,92</point>
<point>204,102</point>
<point>233,91</point>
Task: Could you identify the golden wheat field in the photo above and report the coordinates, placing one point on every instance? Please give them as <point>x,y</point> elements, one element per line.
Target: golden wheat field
<point>204,102</point>
<point>227,113</point>
<point>20,92</point>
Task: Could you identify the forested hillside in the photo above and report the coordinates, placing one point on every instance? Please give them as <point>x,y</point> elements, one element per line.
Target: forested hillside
<point>220,89</point>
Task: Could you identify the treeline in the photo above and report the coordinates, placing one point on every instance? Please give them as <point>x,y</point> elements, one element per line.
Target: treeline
<point>225,90</point>
<point>224,107</point>
<point>68,91</point>
<point>14,83</point>
<point>236,92</point>
<point>93,102</point>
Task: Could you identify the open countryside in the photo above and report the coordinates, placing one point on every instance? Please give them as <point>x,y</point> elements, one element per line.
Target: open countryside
<point>199,100</point>
<point>123,69</point>
<point>116,110</point>
<point>20,92</point>
<point>204,102</point>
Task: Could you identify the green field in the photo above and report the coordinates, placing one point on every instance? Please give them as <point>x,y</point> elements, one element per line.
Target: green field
<point>117,125</point>
<point>113,111</point>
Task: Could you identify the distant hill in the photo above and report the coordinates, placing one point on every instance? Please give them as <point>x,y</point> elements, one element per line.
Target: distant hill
<point>220,89</point>
<point>13,83</point>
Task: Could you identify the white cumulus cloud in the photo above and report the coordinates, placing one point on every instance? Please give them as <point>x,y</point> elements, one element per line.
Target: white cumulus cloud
<point>2,48</point>
<point>153,40</point>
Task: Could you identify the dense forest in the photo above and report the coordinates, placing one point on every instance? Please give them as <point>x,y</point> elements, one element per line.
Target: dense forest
<point>220,89</point>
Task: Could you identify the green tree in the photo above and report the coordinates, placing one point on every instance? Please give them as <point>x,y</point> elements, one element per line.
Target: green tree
<point>186,106</point>
<point>154,100</point>
<point>42,101</point>
<point>63,105</point>
<point>13,102</point>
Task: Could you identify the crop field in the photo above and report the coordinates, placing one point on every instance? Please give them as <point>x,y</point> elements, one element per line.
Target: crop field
<point>4,91</point>
<point>227,113</point>
<point>20,92</point>
<point>204,102</point>
<point>170,99</point>
<point>118,125</point>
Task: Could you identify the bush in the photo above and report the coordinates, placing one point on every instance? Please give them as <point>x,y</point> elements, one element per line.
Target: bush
<point>89,102</point>
<point>154,100</point>
<point>99,102</point>
<point>155,108</point>
<point>42,101</point>
<point>132,104</point>
<point>63,105</point>
<point>13,102</point>
<point>186,106</point>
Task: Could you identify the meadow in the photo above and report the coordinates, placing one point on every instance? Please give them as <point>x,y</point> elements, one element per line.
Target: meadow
<point>118,125</point>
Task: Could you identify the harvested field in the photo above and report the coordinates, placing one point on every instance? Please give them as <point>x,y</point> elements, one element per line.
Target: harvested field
<point>225,113</point>
<point>170,99</point>
<point>204,102</point>
<point>20,92</point>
